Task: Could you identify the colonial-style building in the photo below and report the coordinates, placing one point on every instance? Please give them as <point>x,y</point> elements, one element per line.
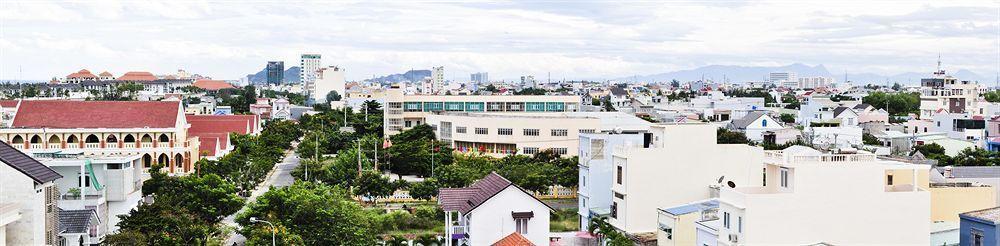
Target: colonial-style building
<point>154,130</point>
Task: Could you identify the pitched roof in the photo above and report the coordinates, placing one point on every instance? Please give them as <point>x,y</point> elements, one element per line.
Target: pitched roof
<point>83,73</point>
<point>742,123</point>
<point>839,110</point>
<point>514,239</point>
<point>96,114</point>
<point>468,198</point>
<point>106,74</point>
<point>242,124</point>
<point>76,221</point>
<point>137,76</point>
<point>976,172</point>
<point>861,106</point>
<point>618,91</point>
<point>27,165</point>
<point>8,103</point>
<point>212,85</point>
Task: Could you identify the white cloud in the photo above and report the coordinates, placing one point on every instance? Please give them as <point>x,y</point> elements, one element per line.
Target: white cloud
<point>573,40</point>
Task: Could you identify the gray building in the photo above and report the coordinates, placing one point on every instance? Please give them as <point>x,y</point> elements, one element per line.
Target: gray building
<point>275,72</point>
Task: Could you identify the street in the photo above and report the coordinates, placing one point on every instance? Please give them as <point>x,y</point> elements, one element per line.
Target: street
<point>280,176</point>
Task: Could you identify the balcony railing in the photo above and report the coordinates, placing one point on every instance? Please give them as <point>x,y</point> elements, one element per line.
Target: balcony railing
<point>111,145</point>
<point>780,157</point>
<point>92,145</point>
<point>128,145</point>
<point>147,145</point>
<point>73,145</point>
<point>459,232</point>
<point>35,146</point>
<point>55,145</point>
<point>18,146</point>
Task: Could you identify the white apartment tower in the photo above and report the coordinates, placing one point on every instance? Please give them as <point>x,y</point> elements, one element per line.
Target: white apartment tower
<point>778,77</point>
<point>437,79</point>
<point>309,67</point>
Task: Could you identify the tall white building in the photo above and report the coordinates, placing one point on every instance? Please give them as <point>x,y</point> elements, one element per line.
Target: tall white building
<point>480,78</point>
<point>815,82</point>
<point>330,79</point>
<point>778,77</point>
<point>309,67</point>
<point>437,80</point>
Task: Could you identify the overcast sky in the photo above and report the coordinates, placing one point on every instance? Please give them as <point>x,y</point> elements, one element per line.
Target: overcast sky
<point>569,39</point>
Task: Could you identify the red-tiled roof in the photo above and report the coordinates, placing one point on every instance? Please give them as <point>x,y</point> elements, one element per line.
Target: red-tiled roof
<point>106,74</point>
<point>230,123</point>
<point>137,76</point>
<point>8,103</point>
<point>208,144</point>
<point>96,114</point>
<point>212,85</point>
<point>514,239</point>
<point>83,73</point>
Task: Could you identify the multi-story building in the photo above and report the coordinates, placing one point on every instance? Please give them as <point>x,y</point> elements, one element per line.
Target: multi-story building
<point>946,94</point>
<point>28,200</point>
<point>814,82</point>
<point>330,79</point>
<point>213,132</point>
<point>501,134</point>
<point>596,168</point>
<point>404,111</point>
<point>155,130</point>
<point>309,66</point>
<point>275,72</point>
<point>491,211</point>
<point>437,81</point>
<point>479,78</point>
<point>682,163</point>
<point>808,197</point>
<point>779,77</point>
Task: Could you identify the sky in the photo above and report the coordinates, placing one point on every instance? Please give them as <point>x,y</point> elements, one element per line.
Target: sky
<point>558,39</point>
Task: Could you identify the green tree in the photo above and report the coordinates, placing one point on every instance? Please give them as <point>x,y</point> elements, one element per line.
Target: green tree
<point>724,136</point>
<point>161,224</point>
<point>319,214</point>
<point>787,118</point>
<point>373,184</point>
<point>992,96</point>
<point>332,96</point>
<point>424,190</point>
<point>975,156</point>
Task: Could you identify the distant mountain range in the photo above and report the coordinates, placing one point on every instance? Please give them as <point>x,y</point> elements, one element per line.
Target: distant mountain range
<point>737,74</point>
<point>412,75</point>
<point>291,76</point>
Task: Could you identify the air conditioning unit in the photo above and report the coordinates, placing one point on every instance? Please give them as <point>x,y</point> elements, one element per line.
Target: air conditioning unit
<point>734,238</point>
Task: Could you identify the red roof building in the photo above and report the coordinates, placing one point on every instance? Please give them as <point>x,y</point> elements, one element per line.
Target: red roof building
<point>83,74</point>
<point>213,131</point>
<point>137,76</point>
<point>96,114</point>
<point>212,85</point>
<point>514,239</point>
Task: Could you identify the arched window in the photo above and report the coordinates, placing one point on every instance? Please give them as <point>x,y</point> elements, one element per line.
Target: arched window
<point>129,138</point>
<point>54,139</point>
<point>72,139</point>
<point>763,123</point>
<point>36,139</point>
<point>179,161</point>
<point>147,139</point>
<point>17,139</point>
<point>112,139</point>
<point>163,160</point>
<point>147,161</point>
<point>93,139</point>
<point>164,138</point>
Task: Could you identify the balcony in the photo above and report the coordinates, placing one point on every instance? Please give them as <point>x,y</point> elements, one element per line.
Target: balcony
<point>92,145</point>
<point>459,232</point>
<point>73,145</point>
<point>55,145</point>
<point>111,145</point>
<point>147,145</point>
<point>778,157</point>
<point>128,145</point>
<point>35,146</point>
<point>18,146</point>
<point>71,201</point>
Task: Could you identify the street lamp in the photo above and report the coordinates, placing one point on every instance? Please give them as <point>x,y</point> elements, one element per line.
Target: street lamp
<point>255,220</point>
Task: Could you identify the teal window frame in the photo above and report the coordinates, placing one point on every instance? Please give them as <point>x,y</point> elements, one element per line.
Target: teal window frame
<point>534,107</point>
<point>413,106</point>
<point>555,106</point>
<point>433,106</point>
<point>475,106</point>
<point>454,106</point>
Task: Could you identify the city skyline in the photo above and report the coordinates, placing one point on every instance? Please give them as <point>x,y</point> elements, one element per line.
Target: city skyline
<point>593,40</point>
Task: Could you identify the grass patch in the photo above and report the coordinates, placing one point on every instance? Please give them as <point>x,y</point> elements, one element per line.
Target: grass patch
<point>563,220</point>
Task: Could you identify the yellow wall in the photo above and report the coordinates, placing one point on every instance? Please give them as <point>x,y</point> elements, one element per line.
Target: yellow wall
<point>684,231</point>
<point>906,177</point>
<point>948,202</point>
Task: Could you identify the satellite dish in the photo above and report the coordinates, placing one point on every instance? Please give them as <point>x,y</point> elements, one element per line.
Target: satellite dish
<point>720,179</point>
<point>731,184</point>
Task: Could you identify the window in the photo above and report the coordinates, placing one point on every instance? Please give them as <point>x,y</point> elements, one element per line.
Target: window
<point>559,132</point>
<point>619,176</point>
<point>977,238</point>
<point>725,220</point>
<point>482,131</point>
<point>84,180</point>
<point>583,181</point>
<point>888,179</point>
<point>114,166</point>
<point>560,151</point>
<point>505,131</point>
<point>409,124</point>
<point>669,232</point>
<point>530,150</point>
<point>763,123</point>
<point>587,131</point>
<point>614,210</point>
<point>765,177</point>
<point>739,224</point>
<point>620,196</point>
<point>460,129</point>
<point>531,132</point>
<point>784,177</point>
<point>522,225</point>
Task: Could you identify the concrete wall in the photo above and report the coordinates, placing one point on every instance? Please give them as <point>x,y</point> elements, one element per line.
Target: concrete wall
<point>20,189</point>
<point>948,202</point>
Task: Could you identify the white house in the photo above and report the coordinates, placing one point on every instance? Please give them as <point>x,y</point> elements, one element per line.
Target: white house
<point>820,109</point>
<point>807,197</point>
<point>491,210</point>
<point>28,200</point>
<point>755,124</point>
<point>683,163</point>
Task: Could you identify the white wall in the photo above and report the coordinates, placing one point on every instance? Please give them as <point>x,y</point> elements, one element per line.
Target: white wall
<point>20,189</point>
<point>331,79</point>
<point>492,220</point>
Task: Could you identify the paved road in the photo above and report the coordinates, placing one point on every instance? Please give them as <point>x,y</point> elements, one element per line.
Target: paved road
<point>280,176</point>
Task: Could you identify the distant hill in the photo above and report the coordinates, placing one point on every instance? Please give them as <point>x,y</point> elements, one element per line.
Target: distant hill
<point>412,75</point>
<point>291,76</point>
<point>738,74</point>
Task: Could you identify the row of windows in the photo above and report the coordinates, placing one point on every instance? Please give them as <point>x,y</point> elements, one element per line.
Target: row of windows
<point>535,150</point>
<point>487,106</point>
<point>510,131</point>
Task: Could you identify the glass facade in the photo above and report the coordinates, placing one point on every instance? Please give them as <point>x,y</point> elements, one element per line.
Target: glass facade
<point>534,106</point>
<point>413,107</point>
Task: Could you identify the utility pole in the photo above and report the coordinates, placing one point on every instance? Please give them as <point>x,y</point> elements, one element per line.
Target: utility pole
<point>359,157</point>
<point>432,158</point>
